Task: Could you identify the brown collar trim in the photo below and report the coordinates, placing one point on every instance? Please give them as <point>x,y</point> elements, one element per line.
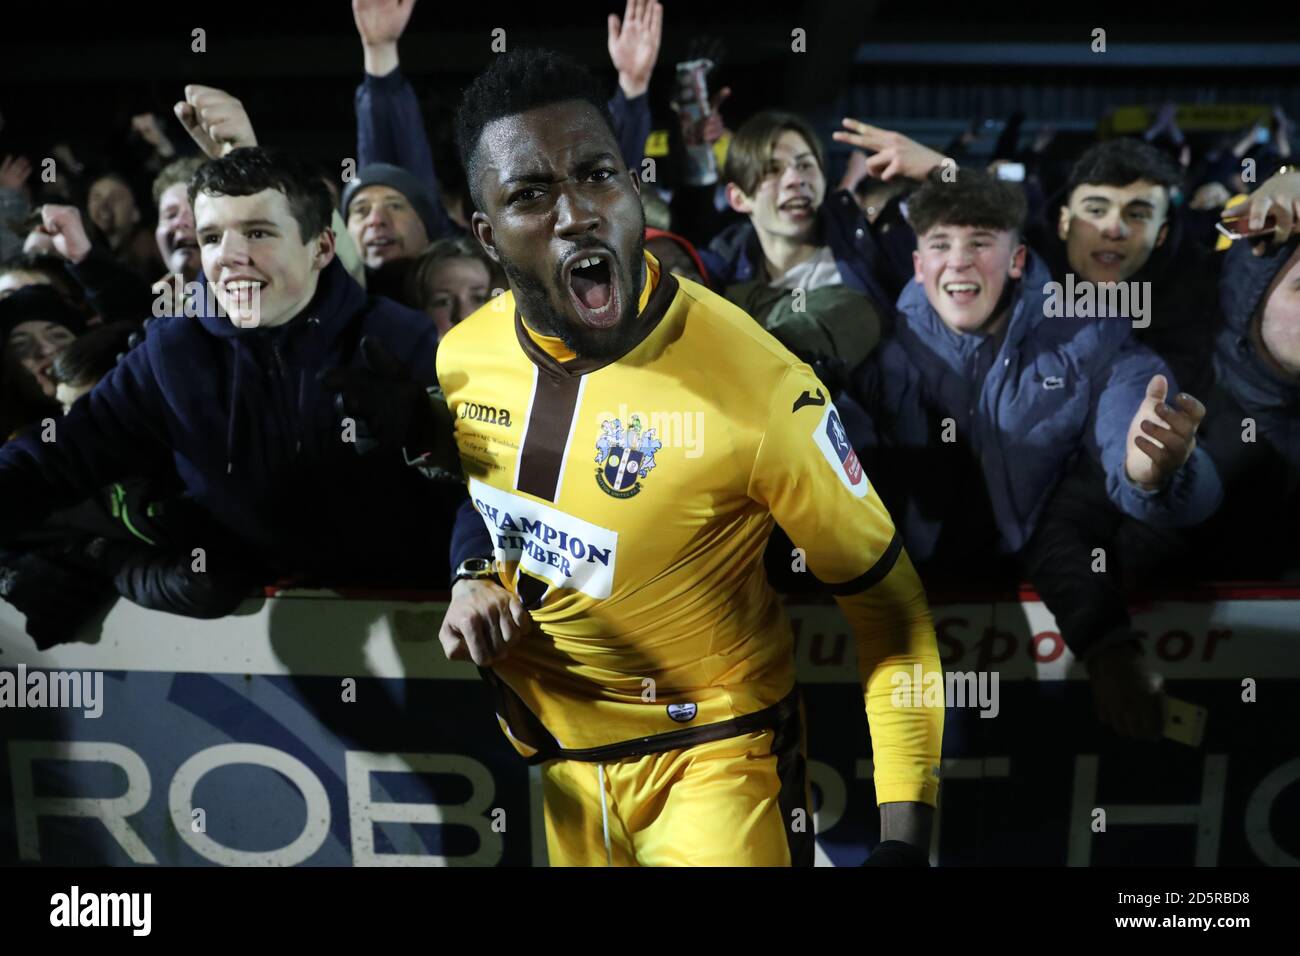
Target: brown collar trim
<point>655,309</point>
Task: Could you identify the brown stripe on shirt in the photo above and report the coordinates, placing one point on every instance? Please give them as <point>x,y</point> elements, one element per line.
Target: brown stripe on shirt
<point>541,459</point>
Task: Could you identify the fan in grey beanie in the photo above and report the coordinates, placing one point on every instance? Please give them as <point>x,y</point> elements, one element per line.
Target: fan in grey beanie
<point>392,234</point>
<point>392,216</point>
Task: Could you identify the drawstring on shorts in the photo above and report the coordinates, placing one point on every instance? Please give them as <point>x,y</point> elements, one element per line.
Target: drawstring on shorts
<point>604,814</point>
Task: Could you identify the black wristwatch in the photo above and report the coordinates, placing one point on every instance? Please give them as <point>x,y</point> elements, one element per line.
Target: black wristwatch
<point>475,569</point>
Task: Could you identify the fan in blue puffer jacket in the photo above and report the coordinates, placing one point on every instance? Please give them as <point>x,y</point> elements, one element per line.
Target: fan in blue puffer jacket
<point>987,392</point>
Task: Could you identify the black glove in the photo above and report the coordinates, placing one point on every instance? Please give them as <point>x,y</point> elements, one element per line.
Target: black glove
<point>897,853</point>
<point>392,412</point>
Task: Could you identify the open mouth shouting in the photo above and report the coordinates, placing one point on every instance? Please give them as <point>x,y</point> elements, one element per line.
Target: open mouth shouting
<point>962,292</point>
<point>589,278</point>
<point>381,245</point>
<point>799,208</point>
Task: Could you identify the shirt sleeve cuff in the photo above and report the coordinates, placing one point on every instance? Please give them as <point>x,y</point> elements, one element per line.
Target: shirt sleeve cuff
<point>389,82</point>
<point>925,791</point>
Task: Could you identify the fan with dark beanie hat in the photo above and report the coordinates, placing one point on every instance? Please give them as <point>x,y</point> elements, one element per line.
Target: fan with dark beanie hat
<point>391,215</point>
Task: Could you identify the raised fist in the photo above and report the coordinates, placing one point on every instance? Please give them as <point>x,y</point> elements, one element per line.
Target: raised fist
<point>66,232</point>
<point>215,120</point>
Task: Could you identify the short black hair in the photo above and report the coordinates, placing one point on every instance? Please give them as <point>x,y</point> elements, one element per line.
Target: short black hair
<point>523,79</point>
<point>968,197</point>
<point>251,169</point>
<point>1122,162</point>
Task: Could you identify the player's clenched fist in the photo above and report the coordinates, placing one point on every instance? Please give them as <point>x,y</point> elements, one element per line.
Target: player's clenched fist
<point>482,622</point>
<point>1152,463</point>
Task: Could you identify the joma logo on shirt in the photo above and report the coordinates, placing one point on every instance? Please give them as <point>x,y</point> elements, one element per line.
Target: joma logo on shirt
<point>485,413</point>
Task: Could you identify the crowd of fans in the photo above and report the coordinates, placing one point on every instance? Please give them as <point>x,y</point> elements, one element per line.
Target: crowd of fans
<point>954,306</point>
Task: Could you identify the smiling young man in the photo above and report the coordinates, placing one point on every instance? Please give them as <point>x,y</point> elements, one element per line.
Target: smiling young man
<point>659,695</point>
<point>982,399</point>
<point>979,373</point>
<point>804,263</point>
<point>1109,227</point>
<point>1249,432</point>
<point>231,399</point>
<point>1117,222</point>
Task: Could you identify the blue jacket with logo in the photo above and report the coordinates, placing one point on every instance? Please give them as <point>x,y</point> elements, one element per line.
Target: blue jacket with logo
<point>255,438</point>
<point>1053,387</point>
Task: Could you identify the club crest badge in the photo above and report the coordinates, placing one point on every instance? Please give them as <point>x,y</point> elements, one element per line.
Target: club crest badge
<point>624,457</point>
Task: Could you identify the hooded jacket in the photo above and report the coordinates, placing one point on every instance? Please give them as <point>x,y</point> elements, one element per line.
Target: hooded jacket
<point>254,438</point>
<point>1015,409</point>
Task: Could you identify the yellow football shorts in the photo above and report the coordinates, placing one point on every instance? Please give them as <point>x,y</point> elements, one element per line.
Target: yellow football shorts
<point>740,801</point>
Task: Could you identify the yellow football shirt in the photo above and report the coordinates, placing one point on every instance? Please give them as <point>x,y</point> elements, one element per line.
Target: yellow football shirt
<point>630,501</point>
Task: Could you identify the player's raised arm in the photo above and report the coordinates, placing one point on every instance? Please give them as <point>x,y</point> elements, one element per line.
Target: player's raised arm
<point>808,475</point>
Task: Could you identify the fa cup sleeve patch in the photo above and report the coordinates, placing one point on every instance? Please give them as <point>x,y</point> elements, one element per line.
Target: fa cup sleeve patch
<point>833,442</point>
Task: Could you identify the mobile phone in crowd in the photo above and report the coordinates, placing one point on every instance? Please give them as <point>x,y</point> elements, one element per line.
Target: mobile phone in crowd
<point>1237,226</point>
